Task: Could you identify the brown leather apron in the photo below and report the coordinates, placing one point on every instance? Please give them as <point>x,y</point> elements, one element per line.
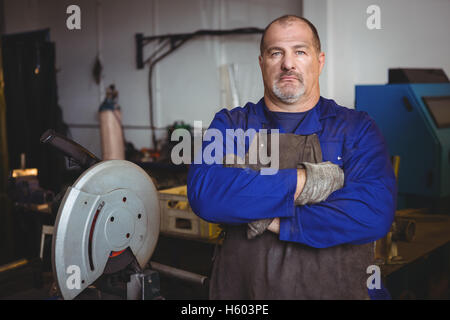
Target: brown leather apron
<point>267,268</point>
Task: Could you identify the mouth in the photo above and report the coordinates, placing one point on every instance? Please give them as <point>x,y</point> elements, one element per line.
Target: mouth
<point>290,77</point>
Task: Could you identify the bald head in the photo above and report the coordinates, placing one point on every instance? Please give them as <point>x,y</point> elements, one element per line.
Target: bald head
<point>287,20</point>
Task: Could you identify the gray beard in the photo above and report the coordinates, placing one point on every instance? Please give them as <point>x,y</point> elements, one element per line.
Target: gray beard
<point>288,98</point>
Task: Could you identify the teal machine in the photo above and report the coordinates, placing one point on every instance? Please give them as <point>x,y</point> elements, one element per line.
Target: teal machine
<point>415,121</point>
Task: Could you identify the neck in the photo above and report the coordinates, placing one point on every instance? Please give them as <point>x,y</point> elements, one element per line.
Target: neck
<point>305,103</point>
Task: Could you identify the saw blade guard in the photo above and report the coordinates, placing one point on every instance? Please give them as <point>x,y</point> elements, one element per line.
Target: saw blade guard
<point>112,206</point>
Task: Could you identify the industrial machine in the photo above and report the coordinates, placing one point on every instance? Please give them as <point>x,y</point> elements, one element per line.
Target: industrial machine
<point>414,116</point>
<point>106,229</point>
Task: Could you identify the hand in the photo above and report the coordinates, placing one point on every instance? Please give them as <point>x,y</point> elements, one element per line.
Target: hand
<point>322,179</point>
<point>301,179</point>
<point>256,228</point>
<point>274,226</point>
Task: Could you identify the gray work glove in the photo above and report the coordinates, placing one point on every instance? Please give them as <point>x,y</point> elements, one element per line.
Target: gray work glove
<point>322,179</point>
<point>257,227</point>
<point>293,149</point>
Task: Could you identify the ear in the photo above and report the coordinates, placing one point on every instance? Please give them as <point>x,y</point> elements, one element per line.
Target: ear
<point>321,61</point>
<point>260,59</point>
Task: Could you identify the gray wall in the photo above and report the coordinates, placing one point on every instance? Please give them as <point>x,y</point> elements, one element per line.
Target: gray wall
<point>189,85</point>
<point>414,34</point>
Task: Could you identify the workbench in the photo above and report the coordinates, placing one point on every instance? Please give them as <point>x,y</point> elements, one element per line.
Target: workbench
<point>425,272</point>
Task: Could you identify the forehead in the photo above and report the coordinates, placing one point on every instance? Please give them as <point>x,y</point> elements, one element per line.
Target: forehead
<point>288,33</point>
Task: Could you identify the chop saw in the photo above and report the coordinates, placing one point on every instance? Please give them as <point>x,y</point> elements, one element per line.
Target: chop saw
<point>106,228</point>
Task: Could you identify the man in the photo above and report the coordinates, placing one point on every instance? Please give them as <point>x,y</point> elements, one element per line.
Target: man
<point>306,232</point>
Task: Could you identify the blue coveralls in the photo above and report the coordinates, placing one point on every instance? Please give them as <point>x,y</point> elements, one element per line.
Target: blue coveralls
<point>359,213</point>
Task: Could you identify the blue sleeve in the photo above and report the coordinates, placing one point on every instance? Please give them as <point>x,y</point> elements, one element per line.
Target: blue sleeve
<point>362,211</point>
<point>234,195</point>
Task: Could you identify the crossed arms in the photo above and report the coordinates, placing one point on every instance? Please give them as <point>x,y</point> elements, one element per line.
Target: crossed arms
<point>361,211</point>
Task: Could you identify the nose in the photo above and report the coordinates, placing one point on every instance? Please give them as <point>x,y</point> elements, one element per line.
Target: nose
<point>288,62</point>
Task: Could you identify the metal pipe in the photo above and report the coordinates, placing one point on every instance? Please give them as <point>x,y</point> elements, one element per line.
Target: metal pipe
<point>178,273</point>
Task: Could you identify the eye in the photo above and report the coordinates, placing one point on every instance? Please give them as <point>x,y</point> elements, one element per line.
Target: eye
<point>276,54</point>
<point>300,52</point>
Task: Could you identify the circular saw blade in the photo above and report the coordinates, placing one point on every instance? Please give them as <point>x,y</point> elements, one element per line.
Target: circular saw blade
<point>111,207</point>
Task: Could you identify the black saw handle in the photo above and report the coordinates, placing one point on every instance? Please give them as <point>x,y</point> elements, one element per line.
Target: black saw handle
<point>70,148</point>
